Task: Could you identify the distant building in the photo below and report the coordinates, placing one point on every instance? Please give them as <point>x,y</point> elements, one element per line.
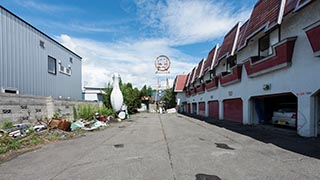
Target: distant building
<point>270,61</point>
<point>93,94</point>
<point>33,63</point>
<point>178,86</point>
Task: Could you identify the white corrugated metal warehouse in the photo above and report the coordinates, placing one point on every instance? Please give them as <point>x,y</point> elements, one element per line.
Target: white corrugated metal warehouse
<point>33,63</point>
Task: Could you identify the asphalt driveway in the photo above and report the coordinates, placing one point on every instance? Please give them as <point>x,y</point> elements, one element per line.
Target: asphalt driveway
<point>164,146</point>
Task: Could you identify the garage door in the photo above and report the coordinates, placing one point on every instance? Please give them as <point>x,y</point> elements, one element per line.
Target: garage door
<point>194,108</point>
<point>202,108</point>
<point>232,110</point>
<point>213,107</point>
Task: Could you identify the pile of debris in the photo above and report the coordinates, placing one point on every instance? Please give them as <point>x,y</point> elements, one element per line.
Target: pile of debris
<point>23,129</point>
<point>89,125</point>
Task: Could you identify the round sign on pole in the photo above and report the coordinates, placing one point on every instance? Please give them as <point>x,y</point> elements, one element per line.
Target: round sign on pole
<point>162,63</point>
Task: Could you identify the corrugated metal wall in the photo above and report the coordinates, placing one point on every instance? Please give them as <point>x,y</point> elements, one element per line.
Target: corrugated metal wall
<point>24,63</point>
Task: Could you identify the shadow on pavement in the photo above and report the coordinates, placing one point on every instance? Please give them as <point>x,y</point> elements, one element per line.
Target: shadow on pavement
<point>284,138</point>
<point>206,177</point>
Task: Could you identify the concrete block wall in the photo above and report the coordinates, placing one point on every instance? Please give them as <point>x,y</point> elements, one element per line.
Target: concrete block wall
<point>25,108</point>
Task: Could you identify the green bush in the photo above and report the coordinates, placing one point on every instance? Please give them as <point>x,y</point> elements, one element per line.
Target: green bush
<point>131,96</point>
<point>6,124</point>
<point>36,140</point>
<point>105,111</point>
<point>75,113</point>
<point>14,144</point>
<point>87,111</point>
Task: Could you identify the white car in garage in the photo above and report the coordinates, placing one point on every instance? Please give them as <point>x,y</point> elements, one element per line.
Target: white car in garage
<point>286,115</point>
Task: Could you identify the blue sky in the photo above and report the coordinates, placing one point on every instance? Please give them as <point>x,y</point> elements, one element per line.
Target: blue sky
<point>126,36</point>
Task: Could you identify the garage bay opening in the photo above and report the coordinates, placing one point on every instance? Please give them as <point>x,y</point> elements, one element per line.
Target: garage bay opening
<point>277,109</point>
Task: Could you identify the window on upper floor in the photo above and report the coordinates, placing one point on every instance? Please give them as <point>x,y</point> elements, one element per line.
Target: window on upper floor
<point>266,42</point>
<point>65,70</point>
<point>52,65</point>
<point>231,62</point>
<point>41,43</point>
<point>212,73</point>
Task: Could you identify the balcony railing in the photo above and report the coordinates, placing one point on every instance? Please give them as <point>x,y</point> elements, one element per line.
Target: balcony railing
<point>193,91</point>
<point>227,78</point>
<point>200,88</point>
<point>281,58</point>
<point>212,84</point>
<point>188,93</point>
<point>313,36</point>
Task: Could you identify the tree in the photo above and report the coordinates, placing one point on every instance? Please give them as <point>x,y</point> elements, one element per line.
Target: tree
<point>146,91</point>
<point>106,96</point>
<point>131,96</point>
<point>170,98</point>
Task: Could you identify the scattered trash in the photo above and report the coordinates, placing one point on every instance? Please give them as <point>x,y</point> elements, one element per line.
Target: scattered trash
<point>96,116</point>
<point>64,125</point>
<point>90,128</point>
<point>102,118</point>
<point>122,115</point>
<point>39,128</point>
<point>143,108</point>
<point>99,124</point>
<point>18,130</point>
<point>77,125</point>
<point>110,118</point>
<point>87,125</point>
<point>61,124</point>
<point>16,133</point>
<point>54,123</point>
<point>172,110</point>
<point>160,110</point>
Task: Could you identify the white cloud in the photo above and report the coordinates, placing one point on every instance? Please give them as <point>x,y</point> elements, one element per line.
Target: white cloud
<point>190,21</point>
<point>45,7</point>
<point>177,22</point>
<point>133,60</point>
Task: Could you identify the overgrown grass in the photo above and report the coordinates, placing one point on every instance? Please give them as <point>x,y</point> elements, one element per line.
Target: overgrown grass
<point>8,143</point>
<point>6,124</point>
<point>105,111</point>
<point>87,111</point>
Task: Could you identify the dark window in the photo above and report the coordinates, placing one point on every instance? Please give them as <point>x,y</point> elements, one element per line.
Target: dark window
<point>52,65</point>
<point>212,73</point>
<point>68,71</point>
<point>61,68</point>
<point>231,62</point>
<point>10,91</point>
<point>71,60</point>
<point>201,80</point>
<point>41,44</point>
<point>264,44</point>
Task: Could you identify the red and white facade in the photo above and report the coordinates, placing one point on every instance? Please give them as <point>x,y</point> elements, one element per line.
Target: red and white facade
<point>272,58</point>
